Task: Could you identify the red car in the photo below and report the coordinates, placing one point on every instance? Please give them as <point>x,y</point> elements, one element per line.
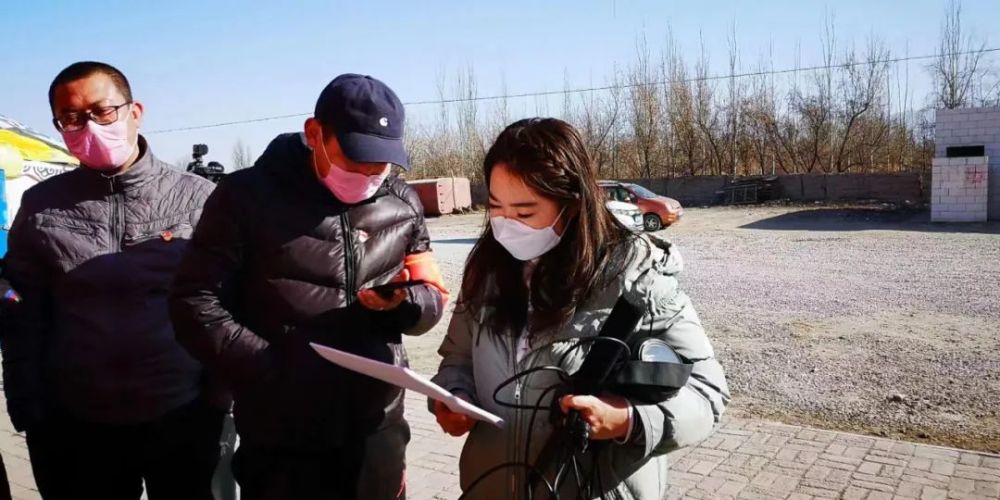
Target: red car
<point>657,211</point>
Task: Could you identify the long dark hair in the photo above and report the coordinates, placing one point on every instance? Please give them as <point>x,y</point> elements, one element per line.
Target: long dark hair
<point>551,158</point>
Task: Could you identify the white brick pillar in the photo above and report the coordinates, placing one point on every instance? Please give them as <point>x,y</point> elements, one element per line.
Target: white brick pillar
<point>959,189</point>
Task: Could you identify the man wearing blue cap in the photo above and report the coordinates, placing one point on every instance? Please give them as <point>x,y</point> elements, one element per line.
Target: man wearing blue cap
<point>288,253</point>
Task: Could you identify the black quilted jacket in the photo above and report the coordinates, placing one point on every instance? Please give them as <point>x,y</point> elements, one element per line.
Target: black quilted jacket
<point>93,257</point>
<point>276,263</point>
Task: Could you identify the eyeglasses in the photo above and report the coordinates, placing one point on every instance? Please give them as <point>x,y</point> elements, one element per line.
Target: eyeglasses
<point>77,120</point>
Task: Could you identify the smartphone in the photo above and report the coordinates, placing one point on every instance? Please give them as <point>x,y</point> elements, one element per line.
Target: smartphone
<point>385,291</point>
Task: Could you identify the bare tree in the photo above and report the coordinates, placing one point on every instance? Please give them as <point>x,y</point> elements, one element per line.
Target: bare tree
<point>567,104</point>
<point>758,112</point>
<point>668,118</point>
<point>829,44</point>
<point>616,123</point>
<point>861,87</point>
<point>444,158</point>
<point>596,117</point>
<point>501,115</point>
<point>472,146</point>
<point>242,156</point>
<point>681,114</point>
<point>669,61</point>
<point>957,71</point>
<point>900,116</point>
<point>645,109</point>
<point>707,112</point>
<point>734,99</point>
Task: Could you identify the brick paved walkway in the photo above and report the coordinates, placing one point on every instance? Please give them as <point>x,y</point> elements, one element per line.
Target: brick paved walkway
<point>15,458</point>
<point>762,460</point>
<point>745,459</point>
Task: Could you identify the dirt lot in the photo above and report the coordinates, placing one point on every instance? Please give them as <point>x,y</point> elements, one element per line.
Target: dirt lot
<point>854,318</point>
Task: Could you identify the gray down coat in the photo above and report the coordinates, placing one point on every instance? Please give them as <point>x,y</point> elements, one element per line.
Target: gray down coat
<point>476,361</point>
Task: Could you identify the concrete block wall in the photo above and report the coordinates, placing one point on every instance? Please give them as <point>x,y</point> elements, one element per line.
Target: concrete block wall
<point>973,127</point>
<point>896,188</point>
<point>966,127</point>
<point>701,190</point>
<point>959,190</point>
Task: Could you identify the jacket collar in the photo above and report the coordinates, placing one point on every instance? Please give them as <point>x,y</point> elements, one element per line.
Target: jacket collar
<point>141,172</point>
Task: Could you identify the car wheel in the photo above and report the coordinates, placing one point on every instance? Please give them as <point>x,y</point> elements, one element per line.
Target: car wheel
<point>652,222</point>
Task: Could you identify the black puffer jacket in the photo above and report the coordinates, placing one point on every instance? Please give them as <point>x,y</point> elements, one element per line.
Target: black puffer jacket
<point>276,263</point>
<point>93,256</point>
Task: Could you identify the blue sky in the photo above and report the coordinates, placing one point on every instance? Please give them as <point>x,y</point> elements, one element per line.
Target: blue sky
<point>203,62</point>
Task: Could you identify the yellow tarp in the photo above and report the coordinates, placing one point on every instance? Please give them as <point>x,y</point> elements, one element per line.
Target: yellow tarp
<point>34,149</point>
<point>20,144</point>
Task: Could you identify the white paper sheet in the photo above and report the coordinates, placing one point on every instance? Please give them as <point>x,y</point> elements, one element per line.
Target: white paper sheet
<point>407,379</point>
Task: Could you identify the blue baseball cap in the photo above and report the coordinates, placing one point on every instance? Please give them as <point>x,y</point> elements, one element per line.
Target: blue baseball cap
<point>367,118</point>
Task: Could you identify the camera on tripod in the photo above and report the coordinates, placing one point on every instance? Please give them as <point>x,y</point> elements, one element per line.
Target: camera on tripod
<point>213,171</point>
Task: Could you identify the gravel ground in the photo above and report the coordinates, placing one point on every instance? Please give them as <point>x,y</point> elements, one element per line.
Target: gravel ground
<point>853,318</point>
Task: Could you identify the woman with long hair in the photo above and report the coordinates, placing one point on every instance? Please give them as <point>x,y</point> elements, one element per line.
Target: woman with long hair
<point>539,285</point>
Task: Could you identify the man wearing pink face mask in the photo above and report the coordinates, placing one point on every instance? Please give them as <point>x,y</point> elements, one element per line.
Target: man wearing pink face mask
<point>287,253</point>
<point>92,370</point>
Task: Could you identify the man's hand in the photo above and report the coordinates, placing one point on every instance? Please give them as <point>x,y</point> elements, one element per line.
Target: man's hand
<point>375,302</point>
<point>607,415</point>
<point>455,424</point>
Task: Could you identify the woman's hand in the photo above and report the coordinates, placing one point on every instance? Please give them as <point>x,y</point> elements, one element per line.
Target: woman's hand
<point>608,415</point>
<point>455,424</point>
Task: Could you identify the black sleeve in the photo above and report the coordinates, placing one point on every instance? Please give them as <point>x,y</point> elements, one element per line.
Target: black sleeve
<point>27,323</point>
<point>203,323</point>
<point>427,298</point>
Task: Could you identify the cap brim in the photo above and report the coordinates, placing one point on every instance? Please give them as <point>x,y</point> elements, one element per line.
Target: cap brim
<point>365,148</point>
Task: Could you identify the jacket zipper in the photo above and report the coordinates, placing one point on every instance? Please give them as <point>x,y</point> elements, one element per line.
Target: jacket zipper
<point>514,490</point>
<point>520,477</point>
<point>348,257</point>
<point>117,226</point>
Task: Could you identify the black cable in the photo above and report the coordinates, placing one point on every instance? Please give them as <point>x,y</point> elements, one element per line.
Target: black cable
<point>531,421</point>
<point>531,429</point>
<point>593,340</point>
<point>535,408</point>
<point>563,375</point>
<point>567,457</point>
<point>531,469</point>
<point>564,464</point>
<point>579,480</point>
<point>520,375</point>
<point>595,471</point>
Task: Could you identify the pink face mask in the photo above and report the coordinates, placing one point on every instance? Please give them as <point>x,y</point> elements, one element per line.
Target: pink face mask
<point>101,147</point>
<point>351,187</point>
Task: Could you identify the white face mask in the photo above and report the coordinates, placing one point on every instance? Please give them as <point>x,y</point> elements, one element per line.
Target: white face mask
<point>523,241</point>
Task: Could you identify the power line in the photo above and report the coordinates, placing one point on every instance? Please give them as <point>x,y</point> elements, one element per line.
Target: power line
<point>548,93</point>
<point>225,124</point>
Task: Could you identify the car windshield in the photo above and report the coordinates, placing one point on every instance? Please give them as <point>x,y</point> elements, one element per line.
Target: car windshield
<point>641,191</point>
